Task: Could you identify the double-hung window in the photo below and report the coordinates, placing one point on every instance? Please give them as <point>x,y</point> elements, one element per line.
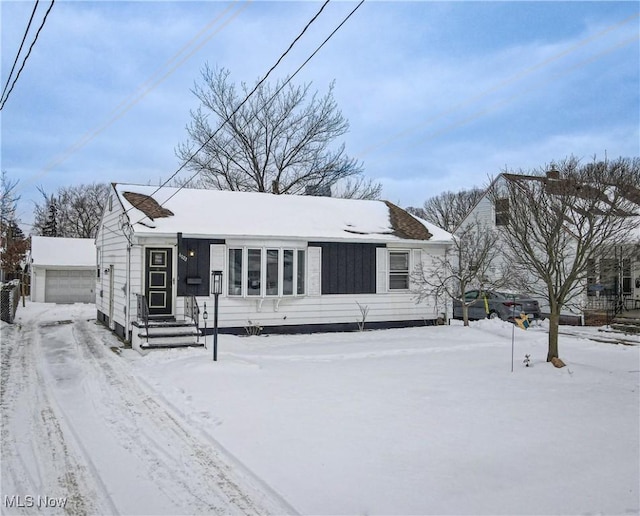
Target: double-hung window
<point>266,272</point>
<point>398,270</point>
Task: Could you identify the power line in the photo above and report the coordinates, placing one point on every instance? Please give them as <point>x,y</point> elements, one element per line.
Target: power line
<point>250,94</point>
<point>15,61</point>
<point>266,103</point>
<point>151,83</point>
<point>24,61</point>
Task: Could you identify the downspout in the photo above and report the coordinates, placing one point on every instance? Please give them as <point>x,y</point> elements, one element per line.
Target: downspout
<point>128,293</point>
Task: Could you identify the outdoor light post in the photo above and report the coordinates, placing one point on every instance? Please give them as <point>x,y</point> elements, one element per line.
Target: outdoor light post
<point>216,290</point>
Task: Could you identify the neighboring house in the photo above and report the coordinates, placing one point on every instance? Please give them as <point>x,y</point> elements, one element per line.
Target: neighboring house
<point>289,263</point>
<point>614,274</point>
<point>62,270</point>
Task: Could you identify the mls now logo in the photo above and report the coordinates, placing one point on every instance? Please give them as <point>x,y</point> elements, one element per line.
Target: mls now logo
<point>33,501</point>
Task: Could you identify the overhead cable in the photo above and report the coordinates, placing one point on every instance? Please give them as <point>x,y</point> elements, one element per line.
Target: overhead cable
<point>151,83</point>
<point>244,101</point>
<point>24,61</point>
<point>15,61</point>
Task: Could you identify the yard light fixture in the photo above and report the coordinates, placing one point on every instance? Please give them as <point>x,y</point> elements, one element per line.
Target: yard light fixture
<point>216,282</point>
<point>216,290</point>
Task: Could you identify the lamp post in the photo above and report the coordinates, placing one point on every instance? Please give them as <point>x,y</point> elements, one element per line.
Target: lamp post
<point>216,290</point>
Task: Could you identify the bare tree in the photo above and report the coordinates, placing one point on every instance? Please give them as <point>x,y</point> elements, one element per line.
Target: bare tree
<point>74,211</point>
<point>557,219</point>
<point>448,209</point>
<point>470,263</point>
<point>277,141</point>
<point>13,244</point>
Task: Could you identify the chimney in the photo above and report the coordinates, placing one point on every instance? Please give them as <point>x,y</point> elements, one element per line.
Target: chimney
<point>553,174</point>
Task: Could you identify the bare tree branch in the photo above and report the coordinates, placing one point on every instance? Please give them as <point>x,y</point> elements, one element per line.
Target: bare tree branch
<point>470,263</point>
<point>278,141</point>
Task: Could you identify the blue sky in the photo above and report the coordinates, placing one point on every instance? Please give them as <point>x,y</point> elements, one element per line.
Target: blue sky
<point>439,95</point>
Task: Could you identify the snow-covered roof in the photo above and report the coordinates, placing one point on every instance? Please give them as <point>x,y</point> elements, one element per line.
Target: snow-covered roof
<point>251,214</point>
<point>63,252</point>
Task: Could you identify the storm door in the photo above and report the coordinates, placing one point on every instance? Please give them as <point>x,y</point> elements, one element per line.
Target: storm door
<point>158,289</point>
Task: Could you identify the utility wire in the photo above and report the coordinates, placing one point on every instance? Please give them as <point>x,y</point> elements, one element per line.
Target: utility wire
<point>15,62</point>
<point>247,98</point>
<point>24,61</point>
<point>151,83</point>
<point>266,104</point>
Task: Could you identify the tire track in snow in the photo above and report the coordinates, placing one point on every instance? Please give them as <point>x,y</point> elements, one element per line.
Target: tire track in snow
<point>37,460</point>
<point>190,470</point>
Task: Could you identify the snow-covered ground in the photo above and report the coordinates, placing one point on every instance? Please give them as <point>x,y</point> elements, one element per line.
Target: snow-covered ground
<point>413,421</point>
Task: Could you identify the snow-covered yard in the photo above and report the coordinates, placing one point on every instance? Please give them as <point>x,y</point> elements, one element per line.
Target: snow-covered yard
<point>414,421</point>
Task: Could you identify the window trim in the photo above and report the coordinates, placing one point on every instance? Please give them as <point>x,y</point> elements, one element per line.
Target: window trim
<point>264,271</point>
<point>501,208</point>
<point>403,272</point>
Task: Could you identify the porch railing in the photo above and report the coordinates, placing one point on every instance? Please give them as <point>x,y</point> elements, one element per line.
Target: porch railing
<point>610,305</point>
<point>142,313</point>
<point>192,311</point>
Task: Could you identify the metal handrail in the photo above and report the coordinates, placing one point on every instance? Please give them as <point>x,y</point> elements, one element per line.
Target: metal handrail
<point>142,312</point>
<point>192,311</point>
<point>616,306</point>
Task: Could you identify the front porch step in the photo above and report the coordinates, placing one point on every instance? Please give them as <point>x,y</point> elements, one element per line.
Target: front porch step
<point>167,333</point>
<point>172,344</point>
<point>628,328</point>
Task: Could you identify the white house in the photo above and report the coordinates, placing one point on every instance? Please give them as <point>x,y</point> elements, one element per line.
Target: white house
<point>614,273</point>
<point>289,263</point>
<point>62,270</point>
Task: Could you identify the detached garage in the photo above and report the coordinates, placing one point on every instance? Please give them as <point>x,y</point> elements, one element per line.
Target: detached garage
<point>63,270</point>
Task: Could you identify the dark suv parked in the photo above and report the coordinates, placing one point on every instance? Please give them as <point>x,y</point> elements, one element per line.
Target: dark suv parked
<point>490,304</point>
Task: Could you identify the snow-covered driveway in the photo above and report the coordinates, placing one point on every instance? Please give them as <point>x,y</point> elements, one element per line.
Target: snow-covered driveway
<point>80,435</point>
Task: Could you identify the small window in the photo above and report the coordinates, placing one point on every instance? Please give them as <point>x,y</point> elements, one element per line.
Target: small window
<point>301,273</point>
<point>235,272</point>
<point>398,270</point>
<point>254,267</point>
<point>287,273</point>
<point>502,211</point>
<point>272,272</point>
<point>592,278</point>
<point>626,276</point>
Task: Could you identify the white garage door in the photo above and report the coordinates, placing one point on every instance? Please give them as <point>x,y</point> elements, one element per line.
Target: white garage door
<point>71,286</point>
